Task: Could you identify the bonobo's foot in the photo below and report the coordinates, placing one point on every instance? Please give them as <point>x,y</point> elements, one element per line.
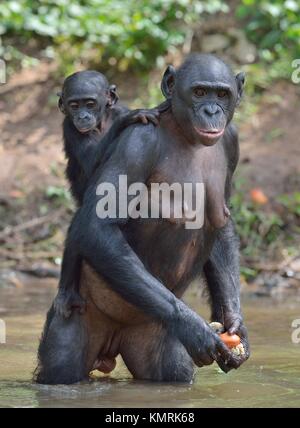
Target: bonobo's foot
<point>146,116</point>
<point>66,301</point>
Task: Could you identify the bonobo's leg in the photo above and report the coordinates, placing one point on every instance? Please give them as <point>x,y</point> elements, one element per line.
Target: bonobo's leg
<point>62,350</point>
<point>151,353</point>
<point>71,348</point>
<point>68,297</point>
<point>223,279</point>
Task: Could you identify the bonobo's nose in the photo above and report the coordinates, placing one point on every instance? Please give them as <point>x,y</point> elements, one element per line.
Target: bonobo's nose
<point>211,109</point>
<point>83,115</point>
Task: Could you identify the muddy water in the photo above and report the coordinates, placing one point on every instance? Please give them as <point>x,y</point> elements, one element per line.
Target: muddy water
<point>270,378</point>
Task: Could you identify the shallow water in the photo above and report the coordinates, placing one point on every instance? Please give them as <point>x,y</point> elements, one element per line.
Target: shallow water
<point>271,378</point>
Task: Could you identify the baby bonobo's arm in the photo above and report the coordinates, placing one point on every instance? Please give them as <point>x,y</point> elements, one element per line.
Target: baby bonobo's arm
<point>89,149</point>
<point>110,139</point>
<point>68,297</point>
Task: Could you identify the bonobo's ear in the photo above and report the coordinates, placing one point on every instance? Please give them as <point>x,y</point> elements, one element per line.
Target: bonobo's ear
<point>61,103</point>
<point>113,96</point>
<point>240,81</point>
<point>168,81</point>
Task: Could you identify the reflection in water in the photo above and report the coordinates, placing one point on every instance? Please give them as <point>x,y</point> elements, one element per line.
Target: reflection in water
<point>270,378</point>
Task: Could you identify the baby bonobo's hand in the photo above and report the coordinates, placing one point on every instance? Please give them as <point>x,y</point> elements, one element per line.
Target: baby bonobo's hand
<point>145,116</point>
<point>66,301</point>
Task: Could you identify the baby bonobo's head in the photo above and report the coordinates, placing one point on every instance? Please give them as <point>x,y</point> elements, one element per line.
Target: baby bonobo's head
<point>85,98</point>
<point>203,93</point>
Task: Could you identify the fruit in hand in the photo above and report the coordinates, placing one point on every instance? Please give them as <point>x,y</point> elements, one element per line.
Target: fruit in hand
<point>231,340</point>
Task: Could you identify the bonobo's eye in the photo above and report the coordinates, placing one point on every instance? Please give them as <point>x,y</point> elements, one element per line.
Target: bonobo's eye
<point>74,105</point>
<point>222,94</point>
<point>199,92</point>
<point>91,104</point>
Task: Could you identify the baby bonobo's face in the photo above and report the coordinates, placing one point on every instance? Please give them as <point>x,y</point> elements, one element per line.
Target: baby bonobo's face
<point>85,99</point>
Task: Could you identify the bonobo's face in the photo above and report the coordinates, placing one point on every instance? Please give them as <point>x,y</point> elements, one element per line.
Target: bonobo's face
<point>85,98</point>
<point>204,94</point>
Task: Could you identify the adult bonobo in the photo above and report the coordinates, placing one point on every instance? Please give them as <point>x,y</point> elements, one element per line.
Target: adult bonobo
<point>143,266</point>
<point>90,107</point>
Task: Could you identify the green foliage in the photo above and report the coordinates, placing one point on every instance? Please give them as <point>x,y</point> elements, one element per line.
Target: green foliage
<point>59,196</point>
<point>123,33</point>
<point>257,228</point>
<point>291,202</point>
<point>273,25</point>
<point>262,228</point>
<point>135,35</point>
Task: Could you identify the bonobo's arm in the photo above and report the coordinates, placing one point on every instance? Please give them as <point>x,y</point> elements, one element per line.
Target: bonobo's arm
<point>222,270</point>
<point>122,121</point>
<point>92,149</point>
<point>102,244</point>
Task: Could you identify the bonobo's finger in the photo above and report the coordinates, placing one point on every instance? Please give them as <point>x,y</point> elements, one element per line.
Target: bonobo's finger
<point>245,343</point>
<point>229,359</point>
<point>206,359</point>
<point>222,365</point>
<point>140,117</point>
<point>146,116</point>
<point>153,119</point>
<point>198,362</point>
<point>238,328</point>
<point>144,119</point>
<point>155,113</point>
<point>203,360</point>
<point>234,328</point>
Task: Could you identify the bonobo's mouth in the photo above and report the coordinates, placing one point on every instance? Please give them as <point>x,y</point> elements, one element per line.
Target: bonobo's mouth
<point>210,134</point>
<point>85,126</point>
<point>85,130</point>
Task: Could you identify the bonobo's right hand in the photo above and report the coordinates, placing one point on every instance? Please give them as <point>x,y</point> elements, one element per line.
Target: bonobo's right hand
<point>144,116</point>
<point>66,301</point>
<point>201,342</point>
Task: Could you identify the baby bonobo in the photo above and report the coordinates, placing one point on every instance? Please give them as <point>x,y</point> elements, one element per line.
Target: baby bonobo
<point>93,120</point>
<point>90,107</point>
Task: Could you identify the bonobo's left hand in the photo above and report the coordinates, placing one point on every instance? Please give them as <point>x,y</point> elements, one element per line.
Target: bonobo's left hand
<point>233,324</point>
<point>144,116</point>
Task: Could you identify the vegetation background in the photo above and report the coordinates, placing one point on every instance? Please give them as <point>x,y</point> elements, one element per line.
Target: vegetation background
<point>131,42</point>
